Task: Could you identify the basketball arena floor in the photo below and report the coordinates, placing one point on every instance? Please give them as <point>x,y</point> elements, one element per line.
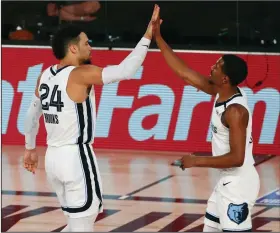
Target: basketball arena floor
<point>142,193</point>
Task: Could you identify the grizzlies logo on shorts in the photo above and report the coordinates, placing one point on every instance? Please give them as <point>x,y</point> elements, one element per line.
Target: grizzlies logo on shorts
<point>238,213</point>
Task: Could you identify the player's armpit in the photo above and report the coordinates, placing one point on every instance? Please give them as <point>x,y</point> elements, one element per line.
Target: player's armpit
<point>237,118</point>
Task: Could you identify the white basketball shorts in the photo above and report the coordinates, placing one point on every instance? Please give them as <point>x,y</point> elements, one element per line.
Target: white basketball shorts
<point>73,173</point>
<point>230,205</point>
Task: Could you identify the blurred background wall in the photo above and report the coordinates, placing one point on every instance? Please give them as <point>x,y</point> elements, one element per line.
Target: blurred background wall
<point>236,25</point>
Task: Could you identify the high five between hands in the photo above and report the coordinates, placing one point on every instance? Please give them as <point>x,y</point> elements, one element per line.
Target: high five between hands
<point>153,29</point>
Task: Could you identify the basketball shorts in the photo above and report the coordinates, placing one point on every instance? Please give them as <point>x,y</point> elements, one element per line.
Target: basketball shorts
<point>230,206</point>
<point>73,173</point>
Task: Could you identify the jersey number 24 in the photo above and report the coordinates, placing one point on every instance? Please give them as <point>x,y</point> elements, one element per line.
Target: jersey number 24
<point>58,103</point>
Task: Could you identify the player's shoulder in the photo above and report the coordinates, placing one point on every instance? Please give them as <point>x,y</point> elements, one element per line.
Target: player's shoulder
<point>84,68</point>
<point>236,112</point>
<point>86,74</point>
<point>236,108</point>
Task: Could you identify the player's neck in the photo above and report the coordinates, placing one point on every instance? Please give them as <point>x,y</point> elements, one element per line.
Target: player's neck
<point>226,93</point>
<point>67,62</point>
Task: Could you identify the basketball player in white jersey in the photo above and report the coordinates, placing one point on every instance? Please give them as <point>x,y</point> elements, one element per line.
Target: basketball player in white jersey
<point>65,96</point>
<point>230,205</point>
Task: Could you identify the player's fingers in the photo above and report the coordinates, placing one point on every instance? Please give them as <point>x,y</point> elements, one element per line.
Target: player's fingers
<point>160,21</point>
<point>29,167</point>
<point>156,20</point>
<point>155,12</point>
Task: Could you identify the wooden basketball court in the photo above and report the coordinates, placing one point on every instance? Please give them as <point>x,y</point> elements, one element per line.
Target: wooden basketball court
<point>142,193</point>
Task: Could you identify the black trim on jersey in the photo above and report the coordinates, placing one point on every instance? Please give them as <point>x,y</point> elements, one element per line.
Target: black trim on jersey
<point>89,129</point>
<point>88,184</point>
<point>52,71</point>
<point>225,102</point>
<point>81,122</point>
<point>96,183</point>
<point>212,218</point>
<point>60,69</point>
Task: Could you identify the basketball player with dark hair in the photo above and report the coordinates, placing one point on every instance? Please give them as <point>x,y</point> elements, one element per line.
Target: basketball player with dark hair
<point>230,205</point>
<point>65,96</point>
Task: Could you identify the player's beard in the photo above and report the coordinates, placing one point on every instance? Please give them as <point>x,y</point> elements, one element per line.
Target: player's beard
<point>87,62</point>
<point>210,81</point>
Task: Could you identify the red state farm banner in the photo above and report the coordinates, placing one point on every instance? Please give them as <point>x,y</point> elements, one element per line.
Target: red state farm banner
<point>155,110</point>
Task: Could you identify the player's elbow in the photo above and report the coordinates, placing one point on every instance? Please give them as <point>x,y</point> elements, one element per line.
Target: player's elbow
<point>238,161</point>
<point>182,74</point>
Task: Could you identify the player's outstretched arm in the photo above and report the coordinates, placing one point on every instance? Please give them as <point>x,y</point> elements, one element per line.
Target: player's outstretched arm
<point>31,127</point>
<point>90,75</point>
<point>179,66</point>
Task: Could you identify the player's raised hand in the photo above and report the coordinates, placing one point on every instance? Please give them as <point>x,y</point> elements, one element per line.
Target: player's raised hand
<point>149,31</point>
<point>156,26</point>
<point>30,160</point>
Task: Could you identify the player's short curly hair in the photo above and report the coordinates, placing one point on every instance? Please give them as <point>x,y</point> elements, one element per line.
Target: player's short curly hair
<point>235,68</point>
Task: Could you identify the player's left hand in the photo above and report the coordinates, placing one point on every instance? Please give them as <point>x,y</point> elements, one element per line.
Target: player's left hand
<point>30,160</point>
<point>187,161</point>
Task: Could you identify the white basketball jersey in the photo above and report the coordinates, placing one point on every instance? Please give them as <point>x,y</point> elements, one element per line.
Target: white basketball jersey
<point>66,122</point>
<point>220,133</point>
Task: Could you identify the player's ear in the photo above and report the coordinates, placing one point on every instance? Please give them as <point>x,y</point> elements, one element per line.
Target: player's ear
<point>225,79</point>
<point>73,48</point>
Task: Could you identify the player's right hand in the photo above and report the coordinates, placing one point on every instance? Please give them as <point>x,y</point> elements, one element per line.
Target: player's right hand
<point>156,26</point>
<point>30,160</point>
<point>187,161</point>
<point>149,31</point>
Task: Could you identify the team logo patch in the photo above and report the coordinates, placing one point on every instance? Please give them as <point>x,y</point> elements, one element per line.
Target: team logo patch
<point>214,128</point>
<point>238,213</point>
